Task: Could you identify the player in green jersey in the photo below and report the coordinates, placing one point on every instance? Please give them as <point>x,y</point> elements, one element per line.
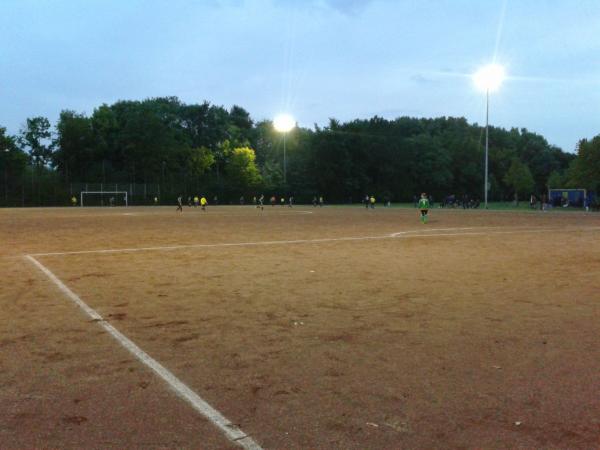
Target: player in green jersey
<point>424,207</point>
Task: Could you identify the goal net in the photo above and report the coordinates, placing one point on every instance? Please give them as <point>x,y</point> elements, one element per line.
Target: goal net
<point>567,197</point>
<point>103,198</point>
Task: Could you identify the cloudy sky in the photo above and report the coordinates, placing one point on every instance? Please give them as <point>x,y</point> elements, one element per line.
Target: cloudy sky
<point>316,59</point>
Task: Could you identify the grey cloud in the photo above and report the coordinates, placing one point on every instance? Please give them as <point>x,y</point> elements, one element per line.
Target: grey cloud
<point>420,78</point>
<point>348,6</point>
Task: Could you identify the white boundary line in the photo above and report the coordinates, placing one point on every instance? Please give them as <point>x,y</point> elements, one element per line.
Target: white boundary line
<point>233,433</point>
<point>399,235</point>
<point>433,230</point>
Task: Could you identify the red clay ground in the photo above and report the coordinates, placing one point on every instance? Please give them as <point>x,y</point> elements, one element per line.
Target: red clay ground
<point>441,341</point>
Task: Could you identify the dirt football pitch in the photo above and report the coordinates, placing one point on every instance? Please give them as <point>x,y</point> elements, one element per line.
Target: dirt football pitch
<point>299,328</point>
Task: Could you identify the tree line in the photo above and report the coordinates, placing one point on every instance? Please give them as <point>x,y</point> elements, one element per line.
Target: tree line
<point>207,149</point>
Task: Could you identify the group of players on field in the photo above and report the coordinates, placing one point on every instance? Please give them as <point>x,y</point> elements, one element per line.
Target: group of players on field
<point>197,201</point>
<point>260,203</point>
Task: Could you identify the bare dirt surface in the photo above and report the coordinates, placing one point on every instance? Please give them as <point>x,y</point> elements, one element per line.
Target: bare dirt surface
<point>477,330</point>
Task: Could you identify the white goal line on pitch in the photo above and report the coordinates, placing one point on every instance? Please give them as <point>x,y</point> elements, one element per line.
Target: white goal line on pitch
<point>231,431</point>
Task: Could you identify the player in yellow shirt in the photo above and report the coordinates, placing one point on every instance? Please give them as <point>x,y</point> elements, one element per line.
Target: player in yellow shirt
<point>73,201</point>
<point>203,203</point>
<point>372,202</point>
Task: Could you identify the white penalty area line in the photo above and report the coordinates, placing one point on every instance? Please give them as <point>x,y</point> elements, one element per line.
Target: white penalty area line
<point>409,234</point>
<point>434,231</point>
<point>231,431</point>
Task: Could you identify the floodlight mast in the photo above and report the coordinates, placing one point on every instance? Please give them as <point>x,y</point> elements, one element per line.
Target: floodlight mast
<point>488,78</point>
<point>284,123</point>
<point>487,139</point>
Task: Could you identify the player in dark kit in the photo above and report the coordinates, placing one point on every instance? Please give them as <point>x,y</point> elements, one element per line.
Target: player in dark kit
<point>424,207</point>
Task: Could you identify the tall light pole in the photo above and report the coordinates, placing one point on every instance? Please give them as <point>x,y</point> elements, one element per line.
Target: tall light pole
<point>488,79</point>
<point>284,123</point>
<point>6,150</point>
<point>163,178</point>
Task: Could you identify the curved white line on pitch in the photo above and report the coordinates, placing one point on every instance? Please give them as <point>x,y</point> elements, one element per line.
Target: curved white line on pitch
<point>433,231</point>
<point>401,233</point>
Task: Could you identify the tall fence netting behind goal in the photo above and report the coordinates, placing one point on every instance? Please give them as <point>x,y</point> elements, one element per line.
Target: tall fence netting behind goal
<point>103,198</point>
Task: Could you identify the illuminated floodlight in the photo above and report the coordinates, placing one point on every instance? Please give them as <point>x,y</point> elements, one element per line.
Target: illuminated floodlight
<point>489,78</point>
<point>284,123</point>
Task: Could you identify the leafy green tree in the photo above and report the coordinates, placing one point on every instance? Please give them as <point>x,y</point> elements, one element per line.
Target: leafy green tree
<point>431,165</point>
<point>519,178</point>
<point>192,147</point>
<point>586,169</point>
<point>540,157</point>
<point>12,164</point>
<point>74,144</point>
<point>36,138</point>
<point>556,180</point>
<point>240,129</point>
<point>499,164</point>
<point>221,152</point>
<point>242,173</point>
<point>7,143</point>
<point>199,161</point>
<point>105,130</point>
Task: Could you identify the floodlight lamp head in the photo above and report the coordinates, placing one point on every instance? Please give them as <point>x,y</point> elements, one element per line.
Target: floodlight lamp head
<point>489,78</point>
<point>284,123</point>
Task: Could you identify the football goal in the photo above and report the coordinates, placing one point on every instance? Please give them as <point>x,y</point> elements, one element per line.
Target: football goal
<point>103,198</point>
<point>567,197</point>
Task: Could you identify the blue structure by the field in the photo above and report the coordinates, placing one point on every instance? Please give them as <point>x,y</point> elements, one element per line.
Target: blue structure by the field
<point>577,198</point>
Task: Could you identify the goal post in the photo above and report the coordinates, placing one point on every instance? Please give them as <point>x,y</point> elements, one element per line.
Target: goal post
<point>567,197</point>
<point>103,198</point>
